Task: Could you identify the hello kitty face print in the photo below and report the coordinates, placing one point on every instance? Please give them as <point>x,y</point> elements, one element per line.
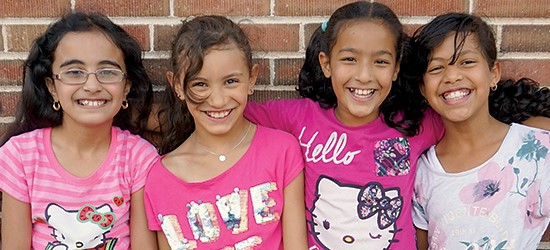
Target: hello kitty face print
<point>364,218</point>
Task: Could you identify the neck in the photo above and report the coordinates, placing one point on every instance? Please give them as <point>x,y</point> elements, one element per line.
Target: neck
<point>472,134</point>
<point>81,138</point>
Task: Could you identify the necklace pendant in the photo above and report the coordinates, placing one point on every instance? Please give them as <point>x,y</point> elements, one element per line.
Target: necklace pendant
<point>221,158</point>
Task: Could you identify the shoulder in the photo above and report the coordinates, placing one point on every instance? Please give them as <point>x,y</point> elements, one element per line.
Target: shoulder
<point>274,135</point>
<point>28,139</point>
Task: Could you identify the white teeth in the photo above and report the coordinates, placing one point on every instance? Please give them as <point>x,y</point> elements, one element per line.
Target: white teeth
<point>454,95</point>
<point>91,103</point>
<point>218,115</point>
<point>362,93</point>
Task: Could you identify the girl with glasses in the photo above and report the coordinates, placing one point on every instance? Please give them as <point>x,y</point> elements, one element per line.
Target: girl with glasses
<point>73,162</point>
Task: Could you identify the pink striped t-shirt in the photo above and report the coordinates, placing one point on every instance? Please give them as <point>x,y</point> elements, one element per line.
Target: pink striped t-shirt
<point>70,211</point>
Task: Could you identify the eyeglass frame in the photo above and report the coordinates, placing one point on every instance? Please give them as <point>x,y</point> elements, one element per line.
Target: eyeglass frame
<point>88,73</point>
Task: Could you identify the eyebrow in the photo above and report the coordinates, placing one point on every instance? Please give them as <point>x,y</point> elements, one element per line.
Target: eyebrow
<point>235,74</point>
<point>378,53</point>
<point>463,52</point>
<point>103,62</point>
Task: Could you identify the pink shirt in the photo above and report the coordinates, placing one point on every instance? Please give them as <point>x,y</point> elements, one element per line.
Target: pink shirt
<point>71,211</point>
<point>239,209</point>
<point>358,180</point>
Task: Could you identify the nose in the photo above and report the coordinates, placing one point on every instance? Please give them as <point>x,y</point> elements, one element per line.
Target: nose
<point>348,239</point>
<point>92,84</point>
<point>452,74</point>
<point>217,97</point>
<point>364,73</point>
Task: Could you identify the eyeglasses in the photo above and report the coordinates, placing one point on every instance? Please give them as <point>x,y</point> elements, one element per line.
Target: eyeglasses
<point>78,76</point>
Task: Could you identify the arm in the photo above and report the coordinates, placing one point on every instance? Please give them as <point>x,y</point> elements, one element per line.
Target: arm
<point>140,235</point>
<point>538,122</point>
<point>16,223</point>
<point>421,239</point>
<point>294,217</point>
<point>163,242</point>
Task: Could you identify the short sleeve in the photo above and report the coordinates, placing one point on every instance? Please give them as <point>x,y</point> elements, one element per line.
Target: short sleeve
<point>420,218</point>
<point>13,180</point>
<point>545,173</point>
<point>295,161</point>
<point>433,124</point>
<point>277,114</point>
<point>143,156</point>
<point>153,191</point>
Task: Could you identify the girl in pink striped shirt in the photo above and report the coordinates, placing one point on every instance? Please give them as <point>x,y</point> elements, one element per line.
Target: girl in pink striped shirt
<point>73,169</point>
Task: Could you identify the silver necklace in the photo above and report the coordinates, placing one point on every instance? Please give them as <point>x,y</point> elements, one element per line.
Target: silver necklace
<point>222,157</point>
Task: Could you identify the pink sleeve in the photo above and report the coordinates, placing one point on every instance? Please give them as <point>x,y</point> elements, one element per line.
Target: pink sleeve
<point>277,114</point>
<point>433,125</point>
<point>144,156</point>
<point>13,179</point>
<point>294,164</point>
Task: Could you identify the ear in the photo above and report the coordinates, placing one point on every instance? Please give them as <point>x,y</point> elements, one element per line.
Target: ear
<point>127,88</point>
<point>176,86</point>
<point>51,88</point>
<point>396,71</point>
<point>324,61</point>
<point>495,74</point>
<point>254,72</point>
<point>422,89</point>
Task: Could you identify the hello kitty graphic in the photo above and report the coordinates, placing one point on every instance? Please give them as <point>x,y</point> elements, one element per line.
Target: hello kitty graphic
<point>85,228</point>
<point>363,218</point>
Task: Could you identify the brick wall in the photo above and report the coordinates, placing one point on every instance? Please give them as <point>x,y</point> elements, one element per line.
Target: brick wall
<point>278,29</point>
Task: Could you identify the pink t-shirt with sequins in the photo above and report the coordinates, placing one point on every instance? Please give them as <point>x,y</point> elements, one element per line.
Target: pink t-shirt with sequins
<point>239,209</point>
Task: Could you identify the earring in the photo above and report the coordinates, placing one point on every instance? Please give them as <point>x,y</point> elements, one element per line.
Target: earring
<point>56,106</point>
<point>124,104</point>
<point>494,88</point>
<point>250,91</point>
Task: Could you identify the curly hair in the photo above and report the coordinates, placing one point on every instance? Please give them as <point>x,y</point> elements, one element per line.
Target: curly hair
<point>515,101</point>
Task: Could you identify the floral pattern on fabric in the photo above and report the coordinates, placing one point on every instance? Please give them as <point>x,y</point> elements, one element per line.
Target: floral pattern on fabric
<point>392,157</point>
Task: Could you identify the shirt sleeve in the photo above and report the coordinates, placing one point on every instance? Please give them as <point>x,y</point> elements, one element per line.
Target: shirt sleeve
<point>419,216</point>
<point>295,161</point>
<point>144,155</point>
<point>275,114</point>
<point>152,192</point>
<point>13,180</point>
<point>433,124</point>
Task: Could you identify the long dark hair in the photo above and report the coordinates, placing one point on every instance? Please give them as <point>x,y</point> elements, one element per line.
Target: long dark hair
<point>400,109</point>
<point>194,39</point>
<point>34,109</point>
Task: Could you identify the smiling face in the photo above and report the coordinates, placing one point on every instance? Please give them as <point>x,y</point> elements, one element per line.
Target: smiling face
<point>91,103</point>
<point>224,83</point>
<point>362,65</point>
<point>459,91</point>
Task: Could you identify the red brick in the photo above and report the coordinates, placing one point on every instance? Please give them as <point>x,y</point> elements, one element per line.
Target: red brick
<point>164,35</point>
<point>8,103</point>
<point>273,37</point>
<point>126,7</point>
<point>308,8</point>
<point>287,71</point>
<point>34,8</point>
<point>264,95</point>
<point>157,68</point>
<point>309,29</point>
<point>425,7</point>
<point>20,37</point>
<point>11,72</point>
<point>526,38</point>
<point>263,76</point>
<point>546,236</point>
<point>538,70</point>
<point>140,33</point>
<point>222,7</point>
<point>512,8</point>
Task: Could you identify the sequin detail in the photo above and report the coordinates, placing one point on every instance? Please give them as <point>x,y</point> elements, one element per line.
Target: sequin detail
<point>247,244</point>
<point>172,230</point>
<point>203,221</point>
<point>392,157</point>
<point>262,203</point>
<point>233,209</point>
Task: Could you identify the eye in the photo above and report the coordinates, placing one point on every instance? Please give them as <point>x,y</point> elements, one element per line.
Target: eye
<point>348,59</point>
<point>74,73</point>
<point>435,69</point>
<point>468,62</point>
<point>231,81</point>
<point>198,84</point>
<point>326,224</point>
<point>381,61</point>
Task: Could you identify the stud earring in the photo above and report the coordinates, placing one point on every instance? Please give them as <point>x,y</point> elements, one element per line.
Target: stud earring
<point>56,106</point>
